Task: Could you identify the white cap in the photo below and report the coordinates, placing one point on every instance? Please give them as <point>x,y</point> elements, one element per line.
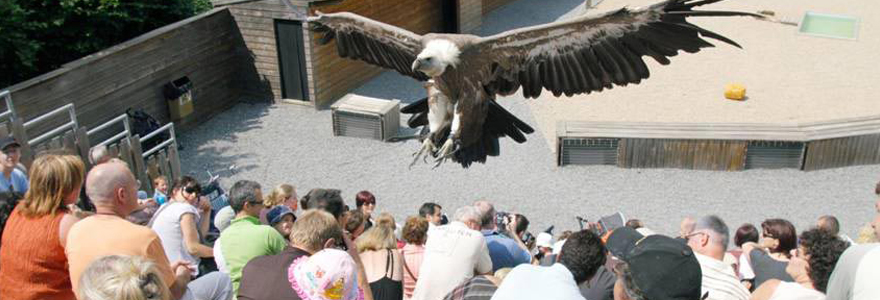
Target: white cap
<point>557,247</point>
<point>544,240</point>
<point>645,231</point>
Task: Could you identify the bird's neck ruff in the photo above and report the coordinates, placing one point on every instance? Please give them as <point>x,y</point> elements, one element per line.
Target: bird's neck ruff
<point>444,50</point>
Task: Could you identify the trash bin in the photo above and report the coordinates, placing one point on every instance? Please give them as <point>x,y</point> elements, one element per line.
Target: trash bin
<point>179,96</point>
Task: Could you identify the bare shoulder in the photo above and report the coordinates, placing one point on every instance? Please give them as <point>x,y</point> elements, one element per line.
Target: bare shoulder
<point>765,291</point>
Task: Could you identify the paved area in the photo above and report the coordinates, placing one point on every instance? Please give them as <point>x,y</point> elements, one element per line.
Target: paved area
<point>276,144</point>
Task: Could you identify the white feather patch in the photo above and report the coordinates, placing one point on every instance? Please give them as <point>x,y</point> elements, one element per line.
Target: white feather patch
<point>444,50</point>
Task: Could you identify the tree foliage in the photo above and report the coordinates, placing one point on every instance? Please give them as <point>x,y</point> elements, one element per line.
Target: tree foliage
<point>37,36</point>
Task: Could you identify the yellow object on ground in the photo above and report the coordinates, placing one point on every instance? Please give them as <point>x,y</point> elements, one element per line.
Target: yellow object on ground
<point>735,91</point>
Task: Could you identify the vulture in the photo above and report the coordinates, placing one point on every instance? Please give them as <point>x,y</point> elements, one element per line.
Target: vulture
<point>461,120</point>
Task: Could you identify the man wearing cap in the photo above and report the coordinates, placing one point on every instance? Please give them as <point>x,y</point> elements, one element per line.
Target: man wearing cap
<point>709,240</point>
<point>580,257</point>
<point>13,179</point>
<point>653,267</point>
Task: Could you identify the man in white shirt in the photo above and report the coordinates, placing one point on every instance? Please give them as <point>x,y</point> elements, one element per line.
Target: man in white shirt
<point>581,255</point>
<point>453,253</point>
<point>709,241</point>
<point>855,274</point>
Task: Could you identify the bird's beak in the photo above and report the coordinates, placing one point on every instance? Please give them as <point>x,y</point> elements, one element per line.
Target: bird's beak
<point>417,65</point>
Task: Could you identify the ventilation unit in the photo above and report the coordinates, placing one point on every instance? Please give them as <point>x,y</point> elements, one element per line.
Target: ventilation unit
<point>587,151</point>
<point>366,117</point>
<point>774,155</point>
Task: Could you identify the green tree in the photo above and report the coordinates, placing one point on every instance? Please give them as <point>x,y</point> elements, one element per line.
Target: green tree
<point>37,36</point>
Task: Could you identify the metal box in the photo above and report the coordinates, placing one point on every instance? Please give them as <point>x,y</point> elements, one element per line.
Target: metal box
<point>366,117</point>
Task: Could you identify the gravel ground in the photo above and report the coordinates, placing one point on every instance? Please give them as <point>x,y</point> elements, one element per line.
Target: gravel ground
<point>275,144</point>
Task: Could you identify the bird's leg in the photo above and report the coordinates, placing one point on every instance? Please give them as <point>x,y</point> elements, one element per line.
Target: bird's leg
<point>427,147</point>
<point>449,147</point>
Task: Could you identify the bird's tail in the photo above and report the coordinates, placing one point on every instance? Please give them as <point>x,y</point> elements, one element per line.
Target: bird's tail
<point>499,123</point>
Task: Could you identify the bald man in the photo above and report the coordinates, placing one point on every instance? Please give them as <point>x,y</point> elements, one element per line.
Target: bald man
<point>113,189</point>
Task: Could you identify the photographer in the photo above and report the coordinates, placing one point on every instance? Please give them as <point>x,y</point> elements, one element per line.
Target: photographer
<point>506,252</point>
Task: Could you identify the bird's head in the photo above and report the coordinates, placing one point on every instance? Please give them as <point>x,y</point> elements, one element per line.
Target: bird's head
<point>436,57</point>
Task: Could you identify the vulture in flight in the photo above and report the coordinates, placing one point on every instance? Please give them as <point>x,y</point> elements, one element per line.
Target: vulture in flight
<point>583,54</point>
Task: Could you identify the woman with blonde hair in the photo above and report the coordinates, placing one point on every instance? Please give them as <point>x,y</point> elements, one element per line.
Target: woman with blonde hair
<point>282,194</point>
<point>32,251</point>
<point>382,262</point>
<point>122,277</point>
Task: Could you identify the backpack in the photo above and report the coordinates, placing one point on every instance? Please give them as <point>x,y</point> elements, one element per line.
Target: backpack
<point>143,124</point>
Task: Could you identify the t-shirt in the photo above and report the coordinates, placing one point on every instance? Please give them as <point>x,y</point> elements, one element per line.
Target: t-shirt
<point>265,277</point>
<point>504,251</point>
<point>720,281</point>
<point>795,291</point>
<point>537,282</point>
<point>855,275</point>
<point>476,288</point>
<point>412,258</point>
<point>16,182</point>
<point>766,268</point>
<point>166,223</point>
<point>244,239</point>
<point>453,253</point>
<point>601,286</point>
<point>219,259</point>
<point>102,235</point>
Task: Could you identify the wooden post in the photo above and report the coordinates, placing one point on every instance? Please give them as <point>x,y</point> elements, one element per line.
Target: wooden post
<point>27,153</point>
<point>163,164</point>
<point>83,146</point>
<point>174,161</point>
<point>139,168</point>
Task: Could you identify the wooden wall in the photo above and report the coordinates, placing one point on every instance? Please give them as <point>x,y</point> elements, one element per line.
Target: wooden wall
<point>332,76</point>
<point>840,152</point>
<point>207,48</point>
<point>490,5</point>
<point>470,15</point>
<point>682,154</point>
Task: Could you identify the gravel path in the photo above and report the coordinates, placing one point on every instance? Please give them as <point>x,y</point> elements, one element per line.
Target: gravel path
<point>275,144</point>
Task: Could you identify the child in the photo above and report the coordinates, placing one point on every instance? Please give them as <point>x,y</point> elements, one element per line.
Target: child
<point>160,184</point>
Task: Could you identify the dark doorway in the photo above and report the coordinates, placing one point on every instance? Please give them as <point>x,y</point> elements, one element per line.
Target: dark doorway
<point>449,10</point>
<point>292,60</point>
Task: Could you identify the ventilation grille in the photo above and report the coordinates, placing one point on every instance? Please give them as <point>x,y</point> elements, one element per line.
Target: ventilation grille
<point>774,155</point>
<point>358,125</point>
<point>582,151</point>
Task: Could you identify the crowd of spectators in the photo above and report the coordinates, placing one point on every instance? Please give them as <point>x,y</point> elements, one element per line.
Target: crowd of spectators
<point>179,244</point>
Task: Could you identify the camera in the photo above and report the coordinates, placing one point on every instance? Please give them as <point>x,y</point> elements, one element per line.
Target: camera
<point>502,219</point>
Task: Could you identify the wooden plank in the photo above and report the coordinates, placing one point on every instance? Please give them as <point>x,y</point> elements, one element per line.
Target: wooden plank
<point>162,160</point>
<point>83,145</point>
<point>174,161</point>
<point>139,165</point>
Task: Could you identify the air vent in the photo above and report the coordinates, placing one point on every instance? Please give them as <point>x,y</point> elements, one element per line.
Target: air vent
<point>366,117</point>
<point>774,155</point>
<point>587,151</point>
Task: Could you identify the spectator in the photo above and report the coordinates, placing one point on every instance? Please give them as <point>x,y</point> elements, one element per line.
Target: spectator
<point>544,242</point>
<point>113,187</point>
<point>769,258</point>
<point>832,225</point>
<point>686,227</point>
<point>183,221</point>
<point>160,187</point>
<point>601,286</point>
<point>855,274</point>
<point>581,255</point>
<point>99,155</point>
<point>432,212</point>
<point>366,203</point>
<point>453,253</point>
<point>283,194</point>
<point>329,200</point>
<point>123,277</point>
<point>415,232</point>
<point>8,201</point>
<point>653,267</point>
<point>265,277</point>
<point>382,262</point>
<point>709,242</point>
<point>811,268</point>
<point>13,179</point>
<point>246,238</point>
<point>744,234</point>
<point>34,239</point>
<point>480,287</point>
<point>354,223</point>
<point>505,252</point>
<point>867,234</point>
<point>281,218</point>
<point>328,274</point>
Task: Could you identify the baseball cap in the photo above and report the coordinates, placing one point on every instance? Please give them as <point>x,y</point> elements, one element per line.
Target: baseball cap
<point>662,268</point>
<point>8,141</point>
<point>277,213</point>
<point>544,240</point>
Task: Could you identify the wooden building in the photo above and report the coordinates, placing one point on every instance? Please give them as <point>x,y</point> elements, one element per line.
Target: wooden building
<point>292,67</point>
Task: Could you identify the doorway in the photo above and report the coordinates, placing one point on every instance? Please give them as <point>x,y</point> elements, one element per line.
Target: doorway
<point>292,60</point>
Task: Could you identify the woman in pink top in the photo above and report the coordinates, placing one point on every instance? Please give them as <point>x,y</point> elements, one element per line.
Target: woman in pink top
<point>415,232</point>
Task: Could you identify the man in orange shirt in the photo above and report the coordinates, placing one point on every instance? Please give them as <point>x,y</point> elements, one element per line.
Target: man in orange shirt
<point>113,189</point>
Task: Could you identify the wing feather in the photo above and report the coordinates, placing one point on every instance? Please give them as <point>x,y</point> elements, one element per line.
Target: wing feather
<point>586,54</point>
<point>370,41</point>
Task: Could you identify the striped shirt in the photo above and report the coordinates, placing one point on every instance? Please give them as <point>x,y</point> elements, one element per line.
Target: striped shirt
<point>720,281</point>
<point>476,288</point>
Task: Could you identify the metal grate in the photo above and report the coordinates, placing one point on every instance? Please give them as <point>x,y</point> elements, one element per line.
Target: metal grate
<point>774,155</point>
<point>586,151</point>
<point>357,125</point>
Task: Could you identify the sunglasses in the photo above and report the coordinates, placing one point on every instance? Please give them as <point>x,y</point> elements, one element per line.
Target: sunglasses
<point>194,189</point>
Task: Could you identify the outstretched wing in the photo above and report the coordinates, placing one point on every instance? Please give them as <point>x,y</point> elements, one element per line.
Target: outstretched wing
<point>588,54</point>
<point>371,41</point>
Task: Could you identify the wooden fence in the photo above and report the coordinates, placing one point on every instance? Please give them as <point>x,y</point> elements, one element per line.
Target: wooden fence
<point>70,137</point>
<point>730,147</point>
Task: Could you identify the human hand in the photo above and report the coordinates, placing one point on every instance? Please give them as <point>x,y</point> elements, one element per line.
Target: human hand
<point>204,204</point>
<point>181,268</point>
<point>511,224</point>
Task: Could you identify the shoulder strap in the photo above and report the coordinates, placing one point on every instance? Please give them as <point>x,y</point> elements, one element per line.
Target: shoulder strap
<point>406,267</point>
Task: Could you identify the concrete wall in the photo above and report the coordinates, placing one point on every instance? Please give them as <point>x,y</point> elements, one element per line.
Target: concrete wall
<point>207,48</point>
